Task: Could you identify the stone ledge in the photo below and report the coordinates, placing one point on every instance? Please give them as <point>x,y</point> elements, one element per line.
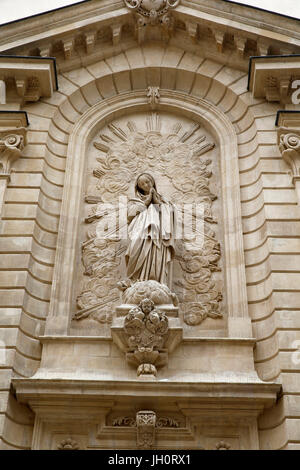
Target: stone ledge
<point>13,119</point>
<point>288,118</point>
<point>194,393</point>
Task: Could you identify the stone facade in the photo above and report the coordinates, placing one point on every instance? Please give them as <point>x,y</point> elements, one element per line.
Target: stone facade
<point>201,97</point>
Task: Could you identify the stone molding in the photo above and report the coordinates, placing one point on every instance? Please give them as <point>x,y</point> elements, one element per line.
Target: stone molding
<point>288,118</point>
<point>214,405</point>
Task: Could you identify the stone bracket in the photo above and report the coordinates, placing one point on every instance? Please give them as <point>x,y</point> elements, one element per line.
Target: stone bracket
<point>272,77</point>
<point>12,143</point>
<point>146,348</point>
<point>33,77</point>
<point>289,145</point>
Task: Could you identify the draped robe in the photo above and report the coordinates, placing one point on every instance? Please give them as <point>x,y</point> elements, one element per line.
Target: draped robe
<point>151,233</point>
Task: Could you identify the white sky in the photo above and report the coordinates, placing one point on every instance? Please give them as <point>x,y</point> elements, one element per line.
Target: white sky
<point>11,10</point>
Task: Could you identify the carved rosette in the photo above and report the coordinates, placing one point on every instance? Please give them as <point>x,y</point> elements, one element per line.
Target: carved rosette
<point>145,328</point>
<point>145,424</point>
<point>289,145</point>
<point>222,445</point>
<point>12,142</point>
<point>68,444</point>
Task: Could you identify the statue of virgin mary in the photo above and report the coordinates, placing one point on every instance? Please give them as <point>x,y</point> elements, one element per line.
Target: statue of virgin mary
<point>151,233</point>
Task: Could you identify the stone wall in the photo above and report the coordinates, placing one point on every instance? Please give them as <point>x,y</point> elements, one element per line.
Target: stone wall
<point>269,208</point>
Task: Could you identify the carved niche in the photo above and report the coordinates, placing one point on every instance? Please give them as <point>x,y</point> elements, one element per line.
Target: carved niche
<point>182,158</point>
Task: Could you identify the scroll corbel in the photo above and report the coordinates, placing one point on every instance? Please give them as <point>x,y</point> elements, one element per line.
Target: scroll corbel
<point>12,143</point>
<point>289,146</point>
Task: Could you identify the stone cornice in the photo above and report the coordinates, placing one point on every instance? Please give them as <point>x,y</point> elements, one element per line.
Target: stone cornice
<point>65,18</point>
<point>72,33</point>
<point>197,391</point>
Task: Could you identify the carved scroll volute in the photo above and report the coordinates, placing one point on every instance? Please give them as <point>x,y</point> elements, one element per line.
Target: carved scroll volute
<point>145,424</point>
<point>289,145</point>
<point>12,143</point>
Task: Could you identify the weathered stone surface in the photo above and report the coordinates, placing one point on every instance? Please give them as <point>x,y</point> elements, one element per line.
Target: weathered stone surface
<point>155,88</point>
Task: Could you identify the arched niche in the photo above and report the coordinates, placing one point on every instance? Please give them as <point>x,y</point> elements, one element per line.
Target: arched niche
<point>220,127</point>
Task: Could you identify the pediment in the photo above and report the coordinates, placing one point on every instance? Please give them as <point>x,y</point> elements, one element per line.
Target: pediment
<point>90,31</point>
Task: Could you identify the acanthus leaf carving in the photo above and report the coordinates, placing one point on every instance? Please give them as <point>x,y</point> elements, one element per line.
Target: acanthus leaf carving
<point>167,422</point>
<point>125,421</point>
<point>161,422</point>
<point>145,327</point>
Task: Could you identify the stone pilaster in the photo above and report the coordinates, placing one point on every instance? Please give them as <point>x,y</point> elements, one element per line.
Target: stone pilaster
<point>12,142</point>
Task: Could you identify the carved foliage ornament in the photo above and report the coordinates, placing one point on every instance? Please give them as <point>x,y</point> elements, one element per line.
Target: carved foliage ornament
<point>145,423</point>
<point>123,154</point>
<point>161,422</point>
<point>146,6</point>
<point>152,11</point>
<point>68,444</point>
<point>145,327</point>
